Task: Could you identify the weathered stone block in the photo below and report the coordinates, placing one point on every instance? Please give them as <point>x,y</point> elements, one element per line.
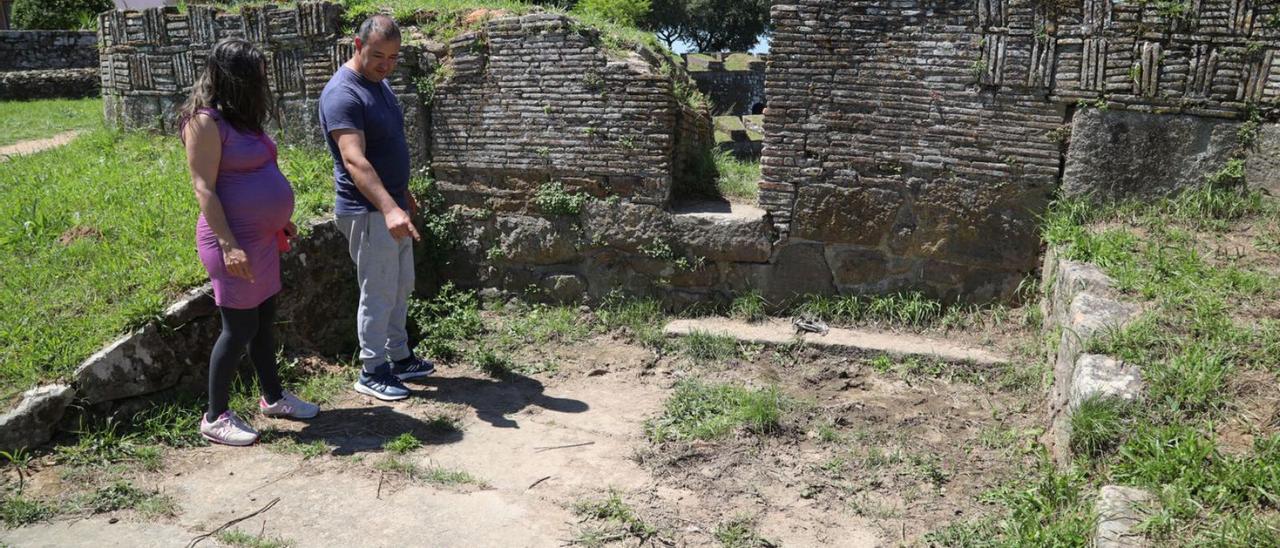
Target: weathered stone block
<point>1262,165</point>
<point>1120,511</point>
<point>536,240</point>
<point>563,288</point>
<point>858,215</point>
<point>32,422</point>
<point>1103,377</point>
<point>799,269</point>
<point>1123,154</point>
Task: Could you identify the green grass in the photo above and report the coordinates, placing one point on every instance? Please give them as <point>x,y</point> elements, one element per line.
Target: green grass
<point>17,510</point>
<point>435,475</point>
<point>751,307</point>
<point>740,532</point>
<point>41,119</point>
<point>122,495</point>
<point>449,18</point>
<point>240,539</point>
<point>618,518</point>
<point>640,320</point>
<point>736,179</point>
<point>402,444</point>
<point>446,322</point>
<point>1097,426</point>
<point>705,348</point>
<point>910,309</point>
<point>698,411</point>
<point>123,208</point>
<point>280,443</point>
<point>1195,338</point>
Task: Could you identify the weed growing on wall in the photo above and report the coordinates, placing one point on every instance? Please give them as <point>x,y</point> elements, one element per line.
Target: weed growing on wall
<point>554,199</point>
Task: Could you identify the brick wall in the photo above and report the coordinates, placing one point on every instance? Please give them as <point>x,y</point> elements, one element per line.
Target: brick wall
<point>537,99</point>
<point>924,137</point>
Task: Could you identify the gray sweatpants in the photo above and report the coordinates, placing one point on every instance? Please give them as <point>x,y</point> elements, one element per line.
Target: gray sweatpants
<point>384,270</point>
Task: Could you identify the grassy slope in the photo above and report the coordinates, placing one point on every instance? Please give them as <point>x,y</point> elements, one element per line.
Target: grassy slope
<point>1205,440</point>
<point>128,198</point>
<point>25,120</point>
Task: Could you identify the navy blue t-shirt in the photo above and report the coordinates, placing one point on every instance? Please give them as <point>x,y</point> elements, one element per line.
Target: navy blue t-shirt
<point>350,101</point>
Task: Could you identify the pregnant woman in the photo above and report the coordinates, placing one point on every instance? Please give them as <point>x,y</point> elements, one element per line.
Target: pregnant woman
<point>245,205</point>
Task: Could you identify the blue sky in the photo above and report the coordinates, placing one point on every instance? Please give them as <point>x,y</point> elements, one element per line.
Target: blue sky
<point>761,47</point>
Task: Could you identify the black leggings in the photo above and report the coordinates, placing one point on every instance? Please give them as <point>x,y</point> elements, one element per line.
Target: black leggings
<point>253,328</point>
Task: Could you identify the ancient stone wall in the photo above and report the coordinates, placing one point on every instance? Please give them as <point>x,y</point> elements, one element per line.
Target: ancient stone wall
<point>47,49</point>
<point>924,137</point>
<point>535,99</point>
<point>36,64</point>
<point>151,58</point>
<point>734,82</point>
<point>881,145</point>
<point>536,107</point>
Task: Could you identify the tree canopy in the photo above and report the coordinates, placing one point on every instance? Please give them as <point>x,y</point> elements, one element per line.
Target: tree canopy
<point>710,25</point>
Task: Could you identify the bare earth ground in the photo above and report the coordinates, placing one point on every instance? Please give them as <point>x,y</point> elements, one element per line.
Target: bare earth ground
<point>36,145</point>
<point>864,459</point>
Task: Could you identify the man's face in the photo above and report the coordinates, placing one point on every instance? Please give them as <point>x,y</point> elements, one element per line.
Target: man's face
<point>377,57</point>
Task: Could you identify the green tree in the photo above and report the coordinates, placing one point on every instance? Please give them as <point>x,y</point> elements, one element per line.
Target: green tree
<point>623,12</point>
<point>58,14</point>
<point>710,25</point>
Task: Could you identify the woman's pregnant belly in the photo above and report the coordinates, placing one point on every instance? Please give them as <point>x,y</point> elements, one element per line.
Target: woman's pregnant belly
<point>257,204</point>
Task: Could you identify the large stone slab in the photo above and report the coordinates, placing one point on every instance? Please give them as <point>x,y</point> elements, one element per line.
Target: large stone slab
<point>1094,376</point>
<point>857,215</point>
<point>799,269</point>
<point>134,365</point>
<point>535,240</point>
<point>1124,154</point>
<point>1103,377</point>
<point>782,332</point>
<point>1120,511</point>
<point>733,233</point>
<point>32,422</point>
<point>1262,165</point>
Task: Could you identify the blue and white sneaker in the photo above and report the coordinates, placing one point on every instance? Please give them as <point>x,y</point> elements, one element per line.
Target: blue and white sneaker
<point>385,387</point>
<point>412,367</point>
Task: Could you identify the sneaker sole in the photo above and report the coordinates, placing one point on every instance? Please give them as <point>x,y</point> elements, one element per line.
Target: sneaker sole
<point>225,442</point>
<point>415,375</point>
<point>371,392</point>
<point>290,416</point>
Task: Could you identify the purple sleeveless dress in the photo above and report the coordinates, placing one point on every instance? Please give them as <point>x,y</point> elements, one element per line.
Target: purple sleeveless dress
<point>258,202</point>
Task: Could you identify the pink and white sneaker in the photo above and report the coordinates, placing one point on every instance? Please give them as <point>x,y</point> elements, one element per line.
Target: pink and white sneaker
<point>228,430</point>
<point>289,407</point>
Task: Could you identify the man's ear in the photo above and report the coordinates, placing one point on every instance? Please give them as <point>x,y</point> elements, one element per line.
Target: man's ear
<point>359,44</point>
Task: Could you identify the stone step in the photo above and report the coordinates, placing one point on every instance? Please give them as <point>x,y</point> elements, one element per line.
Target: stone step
<point>779,331</point>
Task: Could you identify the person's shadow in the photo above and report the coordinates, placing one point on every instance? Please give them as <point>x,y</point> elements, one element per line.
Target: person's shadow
<point>494,400</point>
<point>364,429</point>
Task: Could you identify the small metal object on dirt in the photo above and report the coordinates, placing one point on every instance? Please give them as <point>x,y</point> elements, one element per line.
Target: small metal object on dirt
<point>810,326</point>
<point>113,521</point>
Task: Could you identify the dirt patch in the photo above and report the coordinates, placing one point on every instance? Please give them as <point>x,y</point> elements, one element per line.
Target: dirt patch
<point>865,458</point>
<point>36,145</point>
<point>76,233</point>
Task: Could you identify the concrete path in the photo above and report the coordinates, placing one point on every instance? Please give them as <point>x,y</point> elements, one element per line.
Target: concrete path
<point>782,332</point>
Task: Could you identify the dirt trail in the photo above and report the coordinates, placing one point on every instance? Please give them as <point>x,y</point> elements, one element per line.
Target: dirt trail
<point>37,145</point>
<point>540,445</point>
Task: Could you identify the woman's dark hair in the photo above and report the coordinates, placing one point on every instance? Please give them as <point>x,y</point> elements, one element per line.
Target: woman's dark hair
<point>234,81</point>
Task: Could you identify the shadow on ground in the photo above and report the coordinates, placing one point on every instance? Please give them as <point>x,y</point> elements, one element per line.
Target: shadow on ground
<point>495,400</point>
<point>360,429</point>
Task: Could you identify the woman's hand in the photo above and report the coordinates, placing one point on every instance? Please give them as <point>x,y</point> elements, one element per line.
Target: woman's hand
<point>237,262</point>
